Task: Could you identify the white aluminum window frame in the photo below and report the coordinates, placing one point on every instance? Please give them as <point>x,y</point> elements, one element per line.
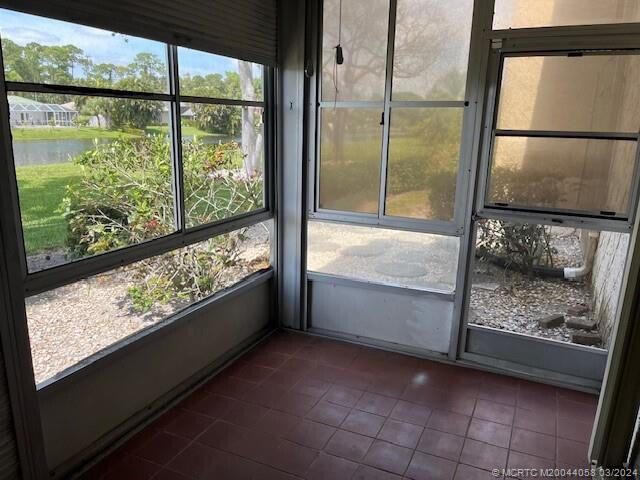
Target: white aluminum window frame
<point>624,36</point>
<point>454,227</point>
<point>44,280</point>
<point>25,284</point>
<point>518,45</point>
<point>464,201</point>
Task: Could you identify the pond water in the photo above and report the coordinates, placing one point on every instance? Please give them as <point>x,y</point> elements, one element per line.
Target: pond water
<point>45,152</point>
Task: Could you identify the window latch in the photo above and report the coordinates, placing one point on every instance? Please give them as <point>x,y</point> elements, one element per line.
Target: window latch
<point>382,118</point>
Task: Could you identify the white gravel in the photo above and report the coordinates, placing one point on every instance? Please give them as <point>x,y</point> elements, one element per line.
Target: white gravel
<point>394,257</point>
<point>520,300</point>
<point>71,323</point>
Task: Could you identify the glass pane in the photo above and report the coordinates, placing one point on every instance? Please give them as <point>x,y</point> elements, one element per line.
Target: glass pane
<point>93,174</point>
<point>71,323</point>
<point>431,49</point>
<point>406,259</point>
<point>550,282</point>
<point>223,161</point>
<point>363,38</point>
<point>552,13</point>
<point>565,173</point>
<point>424,151</point>
<point>204,74</point>
<point>42,50</point>
<point>588,93</point>
<point>350,152</point>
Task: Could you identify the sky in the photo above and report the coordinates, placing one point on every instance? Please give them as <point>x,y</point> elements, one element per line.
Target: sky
<point>103,46</point>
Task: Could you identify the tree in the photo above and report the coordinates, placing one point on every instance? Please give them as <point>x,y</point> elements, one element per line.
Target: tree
<point>252,136</point>
<point>218,119</point>
<point>13,64</point>
<point>149,71</point>
<point>145,73</point>
<point>104,75</point>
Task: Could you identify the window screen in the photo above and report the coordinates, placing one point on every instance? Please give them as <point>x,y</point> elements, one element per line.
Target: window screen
<point>424,151</point>
<point>592,93</point>
<point>350,152</point>
<point>416,260</point>
<point>361,29</point>
<point>566,133</point>
<point>431,49</point>
<point>575,174</point>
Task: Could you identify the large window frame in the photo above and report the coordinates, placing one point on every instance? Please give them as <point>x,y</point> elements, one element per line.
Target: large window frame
<point>455,226</point>
<point>532,41</point>
<point>519,45</point>
<point>67,273</point>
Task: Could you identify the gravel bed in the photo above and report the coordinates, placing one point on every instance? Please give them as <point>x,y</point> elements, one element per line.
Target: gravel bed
<point>519,302</point>
<point>515,302</point>
<point>71,323</point>
<point>394,257</point>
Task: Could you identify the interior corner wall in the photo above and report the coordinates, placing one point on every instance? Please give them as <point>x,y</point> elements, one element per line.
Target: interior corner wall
<point>86,413</point>
<point>291,164</point>
<point>9,462</point>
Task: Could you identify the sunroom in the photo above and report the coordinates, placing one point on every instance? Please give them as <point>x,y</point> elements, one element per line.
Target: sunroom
<point>319,239</point>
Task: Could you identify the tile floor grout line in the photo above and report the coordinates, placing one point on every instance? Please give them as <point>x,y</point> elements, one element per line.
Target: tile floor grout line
<point>352,376</point>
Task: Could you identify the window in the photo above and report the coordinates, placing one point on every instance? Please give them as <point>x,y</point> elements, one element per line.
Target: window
<point>585,93</point>
<point>422,261</point>
<point>573,174</point>
<point>548,282</point>
<point>552,13</point>
<point>223,161</point>
<point>565,137</point>
<point>422,170</point>
<point>73,322</point>
<point>389,138</point>
<point>206,75</point>
<point>45,51</point>
<point>350,159</point>
<point>141,180</point>
<point>223,142</point>
<point>431,49</point>
<point>92,185</point>
<point>361,28</point>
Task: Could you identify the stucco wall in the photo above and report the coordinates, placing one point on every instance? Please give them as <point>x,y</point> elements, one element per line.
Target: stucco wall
<point>606,279</point>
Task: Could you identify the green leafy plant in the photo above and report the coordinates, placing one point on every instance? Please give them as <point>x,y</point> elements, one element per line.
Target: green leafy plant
<point>524,246</point>
<point>125,196</point>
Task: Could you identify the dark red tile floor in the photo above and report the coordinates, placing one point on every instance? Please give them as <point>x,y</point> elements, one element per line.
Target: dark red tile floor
<point>303,407</point>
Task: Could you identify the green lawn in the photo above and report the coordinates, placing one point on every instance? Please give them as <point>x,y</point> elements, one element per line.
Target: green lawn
<point>53,133</point>
<point>42,188</point>
<point>66,133</point>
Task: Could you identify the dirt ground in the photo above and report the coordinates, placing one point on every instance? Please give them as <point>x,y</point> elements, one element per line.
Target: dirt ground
<point>69,324</point>
<point>509,300</point>
<point>394,257</point>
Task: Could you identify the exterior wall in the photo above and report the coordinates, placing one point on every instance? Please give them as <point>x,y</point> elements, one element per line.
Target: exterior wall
<point>606,279</point>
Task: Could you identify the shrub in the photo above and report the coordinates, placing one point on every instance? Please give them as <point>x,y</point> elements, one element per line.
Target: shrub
<point>125,196</point>
<point>524,245</point>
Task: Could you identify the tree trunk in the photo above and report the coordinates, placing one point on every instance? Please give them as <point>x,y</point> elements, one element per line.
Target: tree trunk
<point>251,139</point>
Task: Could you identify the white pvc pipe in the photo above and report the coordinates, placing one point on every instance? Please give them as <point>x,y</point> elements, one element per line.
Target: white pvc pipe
<point>582,271</point>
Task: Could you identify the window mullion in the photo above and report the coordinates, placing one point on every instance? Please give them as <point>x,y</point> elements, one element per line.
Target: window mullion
<point>176,139</point>
<point>391,32</point>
